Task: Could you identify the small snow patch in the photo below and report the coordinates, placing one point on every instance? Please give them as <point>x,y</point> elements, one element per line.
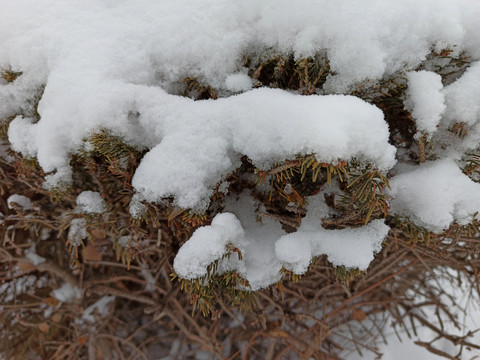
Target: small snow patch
<point>67,293</point>
<point>91,202</point>
<point>22,201</point>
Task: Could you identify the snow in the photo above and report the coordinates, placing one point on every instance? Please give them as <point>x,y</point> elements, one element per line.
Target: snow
<point>34,257</point>
<point>21,200</point>
<point>149,279</point>
<point>18,96</point>
<point>67,293</point>
<point>125,241</point>
<point>119,66</point>
<point>351,247</point>
<point>77,231</point>
<point>21,134</point>
<point>240,229</point>
<point>207,244</point>
<point>91,202</point>
<point>203,144</point>
<point>101,61</point>
<point>462,96</point>
<point>425,100</point>
<point>11,289</point>
<point>136,207</point>
<point>266,248</point>
<point>238,82</point>
<point>101,307</point>
<point>458,298</point>
<point>435,194</point>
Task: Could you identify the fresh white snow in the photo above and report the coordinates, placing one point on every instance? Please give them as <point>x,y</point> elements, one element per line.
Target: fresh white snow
<point>435,194</point>
<point>100,308</point>
<point>352,248</point>
<point>266,248</point>
<point>102,61</point>
<point>118,65</point>
<point>101,64</point>
<point>203,141</point>
<point>425,100</point>
<point>461,97</point>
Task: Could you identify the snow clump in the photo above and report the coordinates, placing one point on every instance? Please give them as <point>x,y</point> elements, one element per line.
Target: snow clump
<point>266,248</point>
<point>441,194</point>
<point>20,200</point>
<point>91,202</point>
<point>425,99</point>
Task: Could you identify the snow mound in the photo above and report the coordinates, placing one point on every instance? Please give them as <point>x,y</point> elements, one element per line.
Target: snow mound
<point>104,62</point>
<point>207,243</point>
<point>436,194</point>
<point>462,97</point>
<point>203,141</point>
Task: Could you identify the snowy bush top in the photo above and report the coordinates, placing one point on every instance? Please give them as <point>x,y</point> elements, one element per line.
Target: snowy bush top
<point>104,61</point>
<point>117,65</point>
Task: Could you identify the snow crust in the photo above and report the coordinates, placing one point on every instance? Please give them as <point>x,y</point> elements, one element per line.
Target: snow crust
<point>436,194</point>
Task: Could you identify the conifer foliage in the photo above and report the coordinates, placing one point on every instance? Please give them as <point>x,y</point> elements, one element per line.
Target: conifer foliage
<point>291,202</point>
